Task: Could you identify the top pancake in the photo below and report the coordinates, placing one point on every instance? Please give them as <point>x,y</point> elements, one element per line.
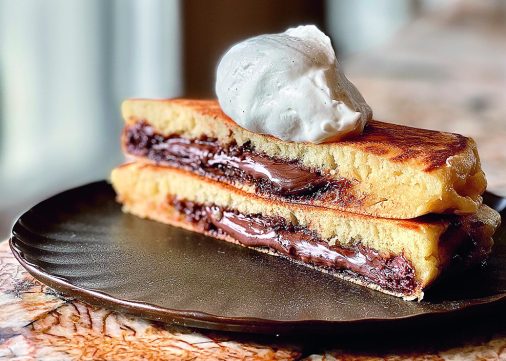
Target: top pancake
<point>395,142</point>
<point>397,171</point>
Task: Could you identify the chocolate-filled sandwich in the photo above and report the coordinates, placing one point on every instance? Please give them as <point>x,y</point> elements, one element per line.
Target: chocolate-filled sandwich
<point>389,171</point>
<point>289,161</point>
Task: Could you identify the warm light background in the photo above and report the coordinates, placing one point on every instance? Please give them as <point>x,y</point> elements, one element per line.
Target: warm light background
<point>65,66</point>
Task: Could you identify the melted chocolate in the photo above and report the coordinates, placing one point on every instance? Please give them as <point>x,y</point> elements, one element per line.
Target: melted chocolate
<point>394,273</point>
<point>233,163</point>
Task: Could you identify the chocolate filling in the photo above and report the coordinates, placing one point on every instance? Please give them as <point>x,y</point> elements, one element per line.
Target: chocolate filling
<point>233,163</point>
<point>391,272</point>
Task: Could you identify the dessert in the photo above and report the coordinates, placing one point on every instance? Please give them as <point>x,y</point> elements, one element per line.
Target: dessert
<point>400,257</point>
<point>389,171</point>
<point>289,161</point>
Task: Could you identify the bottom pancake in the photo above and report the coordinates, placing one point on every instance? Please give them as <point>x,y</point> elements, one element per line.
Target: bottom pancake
<point>399,257</point>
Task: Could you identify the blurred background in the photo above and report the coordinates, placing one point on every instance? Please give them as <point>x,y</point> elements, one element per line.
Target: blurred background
<point>65,66</point>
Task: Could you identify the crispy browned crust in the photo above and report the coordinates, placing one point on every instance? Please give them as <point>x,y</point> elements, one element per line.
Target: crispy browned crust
<point>397,143</point>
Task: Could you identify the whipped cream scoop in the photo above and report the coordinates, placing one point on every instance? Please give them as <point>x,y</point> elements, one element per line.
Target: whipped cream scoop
<point>291,86</point>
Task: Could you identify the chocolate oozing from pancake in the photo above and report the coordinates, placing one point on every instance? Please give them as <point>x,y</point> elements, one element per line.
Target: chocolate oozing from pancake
<point>233,163</point>
<point>391,272</point>
<point>463,245</point>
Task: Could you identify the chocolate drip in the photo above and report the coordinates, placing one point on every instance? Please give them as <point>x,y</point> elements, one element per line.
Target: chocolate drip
<point>233,163</point>
<point>392,272</point>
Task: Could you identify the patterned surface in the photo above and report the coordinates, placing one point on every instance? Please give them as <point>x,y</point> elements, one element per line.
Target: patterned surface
<point>36,323</point>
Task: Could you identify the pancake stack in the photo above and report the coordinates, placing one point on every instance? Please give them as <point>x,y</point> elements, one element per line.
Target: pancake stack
<point>392,209</point>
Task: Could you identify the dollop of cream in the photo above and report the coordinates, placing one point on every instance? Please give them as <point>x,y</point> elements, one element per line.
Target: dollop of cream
<point>291,86</point>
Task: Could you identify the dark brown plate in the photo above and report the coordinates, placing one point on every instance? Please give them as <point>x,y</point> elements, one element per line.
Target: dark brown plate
<point>80,243</point>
